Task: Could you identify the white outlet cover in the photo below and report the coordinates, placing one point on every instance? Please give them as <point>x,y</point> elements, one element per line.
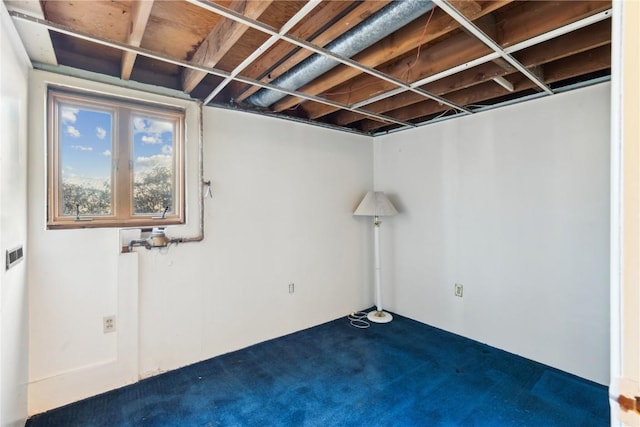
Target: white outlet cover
<point>458,290</point>
<point>108,324</point>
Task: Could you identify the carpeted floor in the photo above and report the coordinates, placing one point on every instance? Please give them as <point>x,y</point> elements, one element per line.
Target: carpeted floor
<point>403,373</point>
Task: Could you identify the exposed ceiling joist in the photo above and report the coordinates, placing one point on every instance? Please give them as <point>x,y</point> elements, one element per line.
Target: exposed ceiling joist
<point>140,12</point>
<point>312,4</point>
<point>221,39</point>
<point>318,50</point>
<point>143,52</point>
<point>460,57</point>
<point>593,35</point>
<point>408,39</point>
<point>272,65</point>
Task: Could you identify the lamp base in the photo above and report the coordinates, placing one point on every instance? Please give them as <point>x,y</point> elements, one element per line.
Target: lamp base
<point>376,316</point>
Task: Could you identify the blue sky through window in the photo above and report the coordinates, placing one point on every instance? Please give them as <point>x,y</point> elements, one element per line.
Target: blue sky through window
<point>86,147</point>
<point>152,143</point>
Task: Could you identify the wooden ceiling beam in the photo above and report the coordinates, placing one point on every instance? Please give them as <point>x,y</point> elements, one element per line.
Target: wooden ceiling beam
<point>467,78</point>
<point>585,62</point>
<point>531,18</point>
<point>468,8</point>
<point>405,40</point>
<point>467,96</point>
<point>140,12</point>
<point>566,68</point>
<point>537,20</point>
<point>582,40</point>
<point>220,40</point>
<point>452,51</point>
<point>305,31</point>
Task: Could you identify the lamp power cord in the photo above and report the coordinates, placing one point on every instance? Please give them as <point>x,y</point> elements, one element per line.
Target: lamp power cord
<point>358,320</point>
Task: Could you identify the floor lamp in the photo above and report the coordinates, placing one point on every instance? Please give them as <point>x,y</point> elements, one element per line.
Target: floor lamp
<point>376,204</point>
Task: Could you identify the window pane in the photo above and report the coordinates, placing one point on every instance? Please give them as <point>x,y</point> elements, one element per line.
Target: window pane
<point>85,143</point>
<point>153,170</point>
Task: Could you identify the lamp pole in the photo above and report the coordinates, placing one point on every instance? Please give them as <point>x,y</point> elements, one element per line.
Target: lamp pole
<point>378,316</point>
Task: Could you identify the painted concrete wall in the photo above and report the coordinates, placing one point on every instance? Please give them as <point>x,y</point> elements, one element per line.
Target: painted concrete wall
<point>13,225</point>
<point>514,205</point>
<point>281,213</point>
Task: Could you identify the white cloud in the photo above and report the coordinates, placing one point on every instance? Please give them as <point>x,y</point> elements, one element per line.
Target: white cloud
<point>68,114</point>
<point>139,124</point>
<point>149,139</point>
<point>82,148</point>
<point>73,131</point>
<point>154,126</point>
<point>106,153</point>
<point>152,130</point>
<point>167,149</point>
<point>101,133</point>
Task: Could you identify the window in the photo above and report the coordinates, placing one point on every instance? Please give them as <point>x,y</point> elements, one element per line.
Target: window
<point>113,162</point>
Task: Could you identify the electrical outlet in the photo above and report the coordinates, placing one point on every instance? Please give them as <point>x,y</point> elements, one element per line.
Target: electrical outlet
<point>109,324</point>
<point>291,287</point>
<point>457,290</point>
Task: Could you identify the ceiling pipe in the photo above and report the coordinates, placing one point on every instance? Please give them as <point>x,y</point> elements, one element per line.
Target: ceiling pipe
<point>376,27</point>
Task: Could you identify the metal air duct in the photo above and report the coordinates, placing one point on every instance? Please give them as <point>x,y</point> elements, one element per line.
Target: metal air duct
<point>376,27</point>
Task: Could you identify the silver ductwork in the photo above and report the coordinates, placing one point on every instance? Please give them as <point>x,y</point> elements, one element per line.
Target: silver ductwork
<point>373,29</point>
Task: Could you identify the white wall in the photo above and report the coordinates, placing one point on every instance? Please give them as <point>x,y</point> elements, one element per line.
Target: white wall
<point>281,213</point>
<point>513,204</point>
<point>13,226</point>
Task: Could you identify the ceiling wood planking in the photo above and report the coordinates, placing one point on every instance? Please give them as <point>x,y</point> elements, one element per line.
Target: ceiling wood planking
<point>468,8</point>
<point>177,34</point>
<point>464,79</point>
<point>490,42</point>
<point>151,65</point>
<point>578,41</point>
<point>74,52</point>
<point>441,56</point>
<point>407,39</point>
<point>79,59</point>
<point>465,96</point>
<point>581,40</point>
<point>262,68</point>
<point>536,17</point>
<point>590,61</point>
<point>554,49</point>
<point>536,20</point>
<point>220,40</point>
<point>265,65</point>
<point>140,12</point>
<point>271,41</point>
<point>105,19</point>
<point>594,60</point>
<point>382,79</point>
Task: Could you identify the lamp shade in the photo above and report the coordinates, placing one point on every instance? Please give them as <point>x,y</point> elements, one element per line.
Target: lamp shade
<point>375,203</point>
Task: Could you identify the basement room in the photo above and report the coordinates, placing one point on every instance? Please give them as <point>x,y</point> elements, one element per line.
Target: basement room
<point>320,213</point>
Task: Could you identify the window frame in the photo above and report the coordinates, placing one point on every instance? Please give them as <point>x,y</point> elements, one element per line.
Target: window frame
<point>122,160</point>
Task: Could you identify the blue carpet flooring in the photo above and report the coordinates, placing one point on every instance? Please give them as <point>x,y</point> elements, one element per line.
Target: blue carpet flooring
<point>403,373</point>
